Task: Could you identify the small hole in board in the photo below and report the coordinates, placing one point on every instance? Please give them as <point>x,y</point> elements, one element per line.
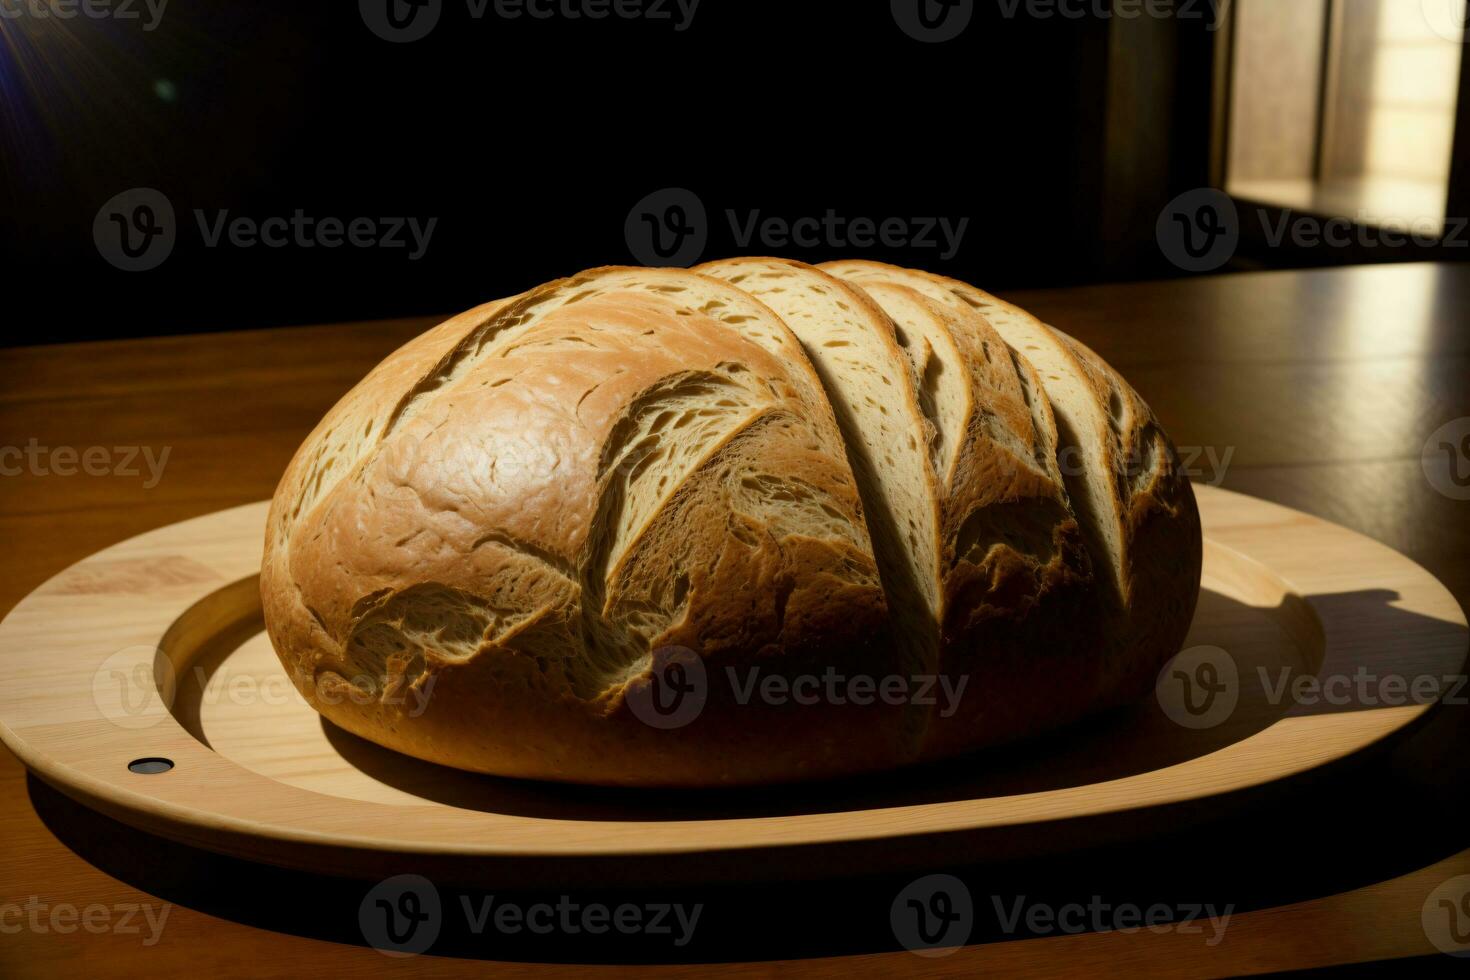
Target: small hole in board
<point>150,766</point>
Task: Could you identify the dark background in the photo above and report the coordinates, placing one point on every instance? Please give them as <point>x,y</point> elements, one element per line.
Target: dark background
<point>530,141</point>
<point>1060,138</point>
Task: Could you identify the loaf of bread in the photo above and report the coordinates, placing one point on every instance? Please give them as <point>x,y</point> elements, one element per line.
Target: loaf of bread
<point>754,522</point>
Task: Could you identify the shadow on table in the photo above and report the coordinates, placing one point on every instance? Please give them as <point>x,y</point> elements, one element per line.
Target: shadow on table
<point>1378,815</point>
<point>1270,649</point>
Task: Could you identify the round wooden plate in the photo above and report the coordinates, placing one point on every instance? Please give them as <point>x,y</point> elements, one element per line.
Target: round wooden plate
<point>1311,643</point>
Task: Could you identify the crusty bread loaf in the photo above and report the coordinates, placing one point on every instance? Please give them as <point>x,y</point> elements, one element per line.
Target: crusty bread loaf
<point>1134,504</point>
<point>753,478</point>
<point>871,384</point>
<point>1013,561</point>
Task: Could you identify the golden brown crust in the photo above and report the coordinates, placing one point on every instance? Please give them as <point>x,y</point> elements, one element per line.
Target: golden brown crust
<point>490,551</point>
<point>1087,644</point>
<point>1161,562</point>
<point>527,529</point>
<point>870,382</point>
<point>1013,561</point>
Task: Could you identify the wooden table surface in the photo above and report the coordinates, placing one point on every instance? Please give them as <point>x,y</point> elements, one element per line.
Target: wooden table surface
<point>1314,389</point>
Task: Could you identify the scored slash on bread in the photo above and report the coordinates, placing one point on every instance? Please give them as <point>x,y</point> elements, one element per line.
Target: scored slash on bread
<point>783,470</point>
<point>872,388</point>
<point>618,462</point>
<point>1136,510</point>
<point>1011,553</point>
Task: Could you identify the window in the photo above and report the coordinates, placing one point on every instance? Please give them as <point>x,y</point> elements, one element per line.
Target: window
<point>1345,107</point>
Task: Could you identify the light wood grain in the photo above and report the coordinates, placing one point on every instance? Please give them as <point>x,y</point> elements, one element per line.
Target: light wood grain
<point>104,665</point>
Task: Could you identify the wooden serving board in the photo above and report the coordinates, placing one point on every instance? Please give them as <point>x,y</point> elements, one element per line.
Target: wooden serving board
<point>1318,643</point>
